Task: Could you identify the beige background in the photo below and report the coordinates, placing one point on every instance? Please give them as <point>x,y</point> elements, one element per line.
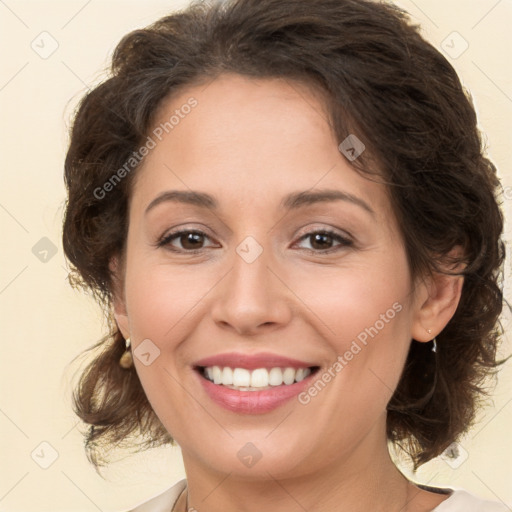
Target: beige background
<point>44,324</point>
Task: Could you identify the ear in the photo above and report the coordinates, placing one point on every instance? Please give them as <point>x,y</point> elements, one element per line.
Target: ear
<point>119,305</point>
<point>437,298</point>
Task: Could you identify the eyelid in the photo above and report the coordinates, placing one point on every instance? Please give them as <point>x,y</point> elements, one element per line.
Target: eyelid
<point>344,239</point>
<point>308,230</point>
<point>165,239</point>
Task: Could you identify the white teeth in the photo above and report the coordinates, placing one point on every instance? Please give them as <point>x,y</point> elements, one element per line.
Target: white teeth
<point>259,378</point>
<point>289,376</point>
<point>241,377</point>
<point>247,380</point>
<point>301,374</point>
<point>227,375</point>
<point>275,377</point>
<point>217,375</point>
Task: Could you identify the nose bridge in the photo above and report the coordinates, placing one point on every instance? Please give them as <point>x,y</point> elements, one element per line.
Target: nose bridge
<point>250,267</point>
<point>251,294</point>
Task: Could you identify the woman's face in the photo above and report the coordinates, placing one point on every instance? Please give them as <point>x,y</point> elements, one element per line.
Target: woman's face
<point>266,279</point>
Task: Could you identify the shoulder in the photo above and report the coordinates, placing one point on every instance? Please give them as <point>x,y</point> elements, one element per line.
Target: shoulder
<point>164,501</point>
<point>462,501</point>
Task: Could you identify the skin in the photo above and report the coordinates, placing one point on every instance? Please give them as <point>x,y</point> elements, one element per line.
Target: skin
<point>248,143</point>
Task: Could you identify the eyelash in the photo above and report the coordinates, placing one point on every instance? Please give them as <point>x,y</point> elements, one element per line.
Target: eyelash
<point>166,240</point>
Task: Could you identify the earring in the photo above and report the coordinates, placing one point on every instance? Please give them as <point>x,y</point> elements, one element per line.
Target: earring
<point>434,342</point>
<point>126,360</point>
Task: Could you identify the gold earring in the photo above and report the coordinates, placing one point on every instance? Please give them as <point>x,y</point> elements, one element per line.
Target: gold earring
<point>126,360</point>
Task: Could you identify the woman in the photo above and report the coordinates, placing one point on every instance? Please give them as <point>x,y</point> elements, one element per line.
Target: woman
<point>286,207</point>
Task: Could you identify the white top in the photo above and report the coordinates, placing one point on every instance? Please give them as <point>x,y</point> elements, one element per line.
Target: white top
<point>462,501</point>
<point>459,501</point>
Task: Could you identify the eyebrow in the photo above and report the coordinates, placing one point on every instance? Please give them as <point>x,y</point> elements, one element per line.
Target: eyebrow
<point>292,201</point>
<point>185,196</point>
<point>299,199</point>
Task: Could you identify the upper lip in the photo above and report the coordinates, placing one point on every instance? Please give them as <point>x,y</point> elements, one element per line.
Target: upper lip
<point>252,361</point>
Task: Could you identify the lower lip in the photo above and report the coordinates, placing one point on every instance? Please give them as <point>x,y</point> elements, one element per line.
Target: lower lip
<point>253,402</point>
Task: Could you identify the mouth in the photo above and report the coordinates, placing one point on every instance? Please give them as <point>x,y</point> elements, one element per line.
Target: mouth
<point>256,391</point>
<point>253,380</point>
<point>253,383</point>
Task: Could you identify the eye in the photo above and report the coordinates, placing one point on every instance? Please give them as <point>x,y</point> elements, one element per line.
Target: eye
<point>190,240</point>
<point>321,241</point>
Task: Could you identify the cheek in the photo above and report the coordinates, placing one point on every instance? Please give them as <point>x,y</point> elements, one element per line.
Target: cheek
<point>350,300</point>
<point>160,299</point>
<point>364,313</point>
<point>163,306</point>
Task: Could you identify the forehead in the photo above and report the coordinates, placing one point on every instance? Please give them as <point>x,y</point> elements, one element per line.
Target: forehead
<point>252,141</point>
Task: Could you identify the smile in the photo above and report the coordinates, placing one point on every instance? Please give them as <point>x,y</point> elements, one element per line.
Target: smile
<point>254,380</point>
<point>255,391</point>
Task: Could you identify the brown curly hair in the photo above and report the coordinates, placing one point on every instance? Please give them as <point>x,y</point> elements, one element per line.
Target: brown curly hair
<point>381,80</point>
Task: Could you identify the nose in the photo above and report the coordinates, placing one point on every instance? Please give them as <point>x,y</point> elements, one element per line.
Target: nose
<point>253,297</point>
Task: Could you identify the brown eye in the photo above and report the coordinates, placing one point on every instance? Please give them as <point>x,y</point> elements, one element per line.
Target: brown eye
<point>191,240</point>
<point>184,241</point>
<point>322,241</point>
